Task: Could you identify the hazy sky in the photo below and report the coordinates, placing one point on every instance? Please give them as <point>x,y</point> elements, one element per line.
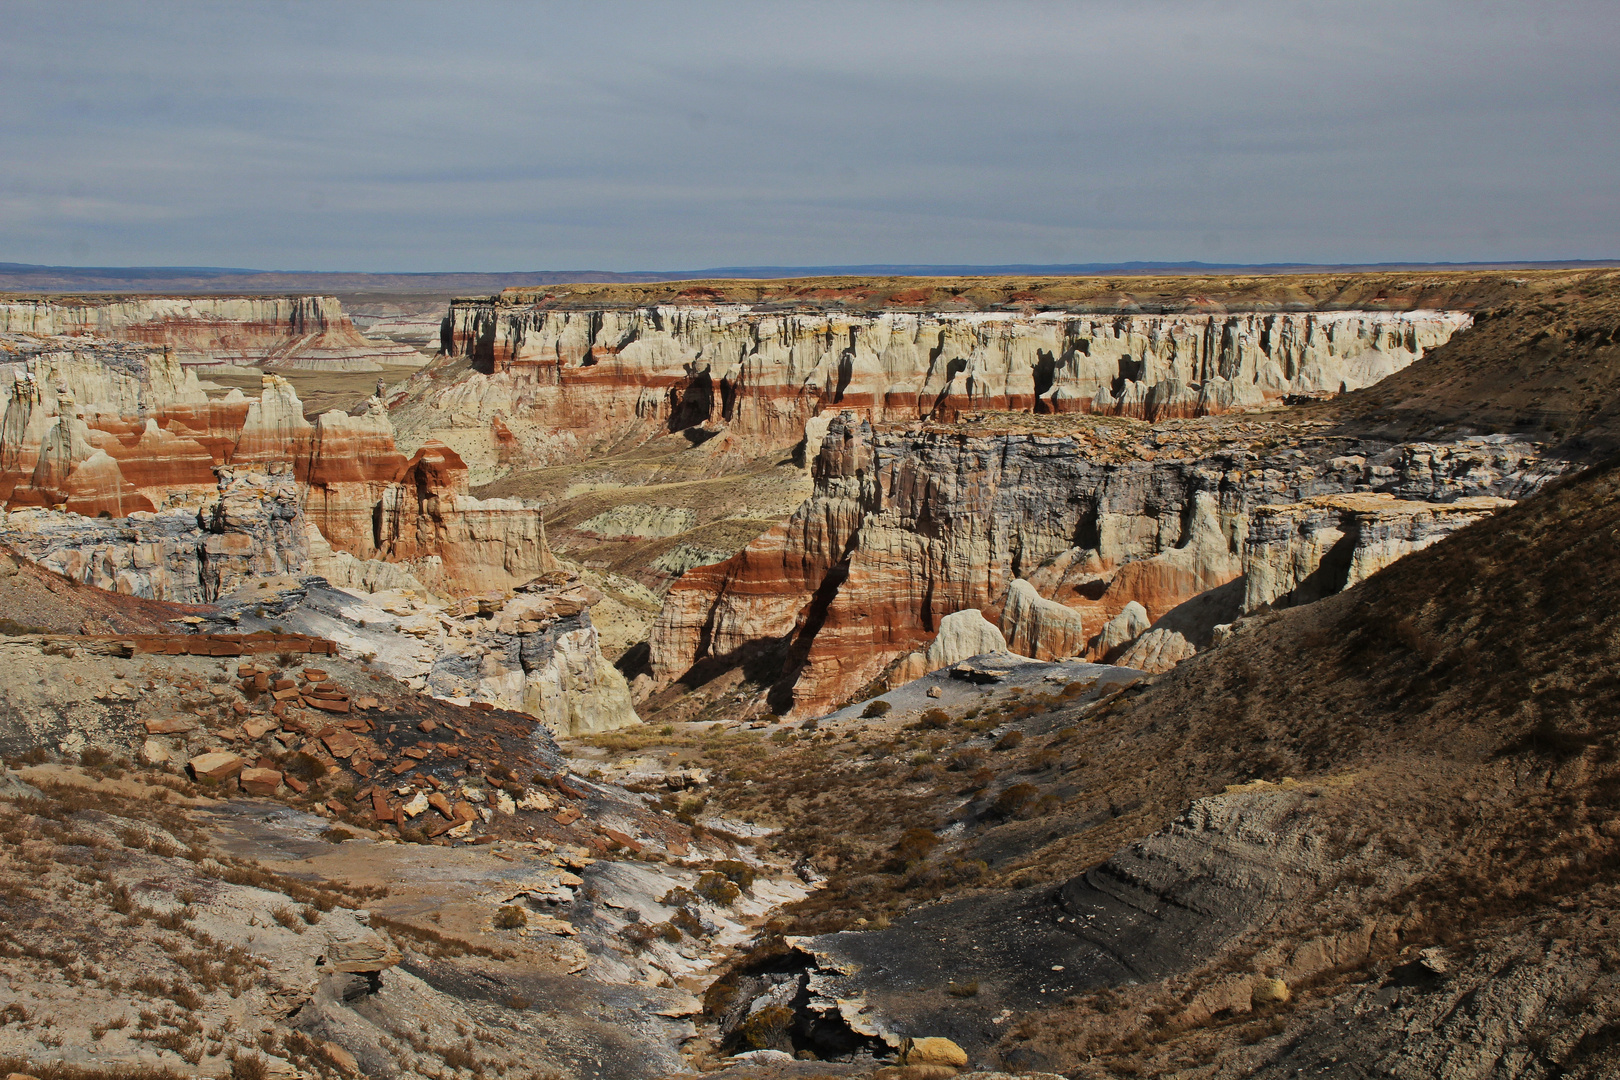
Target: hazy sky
<point>464,136</point>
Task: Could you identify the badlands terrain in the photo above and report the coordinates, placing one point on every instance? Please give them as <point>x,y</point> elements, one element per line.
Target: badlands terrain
<point>1195,677</point>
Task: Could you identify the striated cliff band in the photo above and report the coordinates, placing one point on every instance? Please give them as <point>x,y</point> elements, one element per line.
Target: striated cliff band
<point>283,332</point>
<point>547,385</point>
<point>1192,522</point>
<point>113,434</point>
<point>1365,822</point>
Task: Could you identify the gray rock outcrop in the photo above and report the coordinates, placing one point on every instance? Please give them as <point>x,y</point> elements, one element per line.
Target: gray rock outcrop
<point>906,527</point>
<point>963,634</point>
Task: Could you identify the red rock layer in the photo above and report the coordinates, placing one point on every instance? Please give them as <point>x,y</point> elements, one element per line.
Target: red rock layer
<point>301,331</point>
<point>904,529</point>
<point>357,488</point>
<point>562,383</point>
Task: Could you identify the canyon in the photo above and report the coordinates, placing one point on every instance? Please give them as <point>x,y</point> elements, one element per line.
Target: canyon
<point>547,384</point>
<point>284,332</point>
<point>1097,677</point>
<point>906,528</point>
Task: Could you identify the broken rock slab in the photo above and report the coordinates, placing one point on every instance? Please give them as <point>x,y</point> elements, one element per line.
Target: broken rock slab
<point>216,766</point>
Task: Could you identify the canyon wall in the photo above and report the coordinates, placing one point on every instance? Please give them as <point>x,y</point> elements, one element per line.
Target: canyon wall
<point>547,385</point>
<point>134,438</point>
<point>284,332</point>
<point>906,528</point>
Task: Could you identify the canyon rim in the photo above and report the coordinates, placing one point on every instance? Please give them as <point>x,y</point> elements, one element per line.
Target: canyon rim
<point>1067,542</point>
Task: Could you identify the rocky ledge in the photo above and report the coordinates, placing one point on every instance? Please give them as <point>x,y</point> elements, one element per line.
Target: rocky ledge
<point>287,332</point>
<point>547,385</point>
<point>1120,531</point>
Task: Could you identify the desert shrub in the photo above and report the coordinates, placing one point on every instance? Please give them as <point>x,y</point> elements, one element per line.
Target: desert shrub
<point>768,1029</point>
<point>249,1067</point>
<point>638,935</point>
<point>689,922</point>
<point>739,873</point>
<point>511,917</point>
<point>939,876</point>
<point>94,757</point>
<point>875,709</point>
<point>717,888</point>
<point>690,808</point>
<point>304,766</point>
<point>933,720</point>
<point>1044,759</point>
<point>434,943</point>
<point>1012,740</point>
<point>1014,800</point>
<point>967,759</point>
<point>963,989</point>
<point>287,917</point>
<point>915,844</point>
<point>680,896</point>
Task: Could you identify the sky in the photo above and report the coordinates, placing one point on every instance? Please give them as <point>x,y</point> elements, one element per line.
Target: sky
<point>400,136</point>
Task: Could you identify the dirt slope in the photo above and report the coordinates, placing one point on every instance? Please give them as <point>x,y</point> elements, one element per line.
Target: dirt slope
<point>1410,789</point>
<point>1540,359</point>
<point>1321,290</point>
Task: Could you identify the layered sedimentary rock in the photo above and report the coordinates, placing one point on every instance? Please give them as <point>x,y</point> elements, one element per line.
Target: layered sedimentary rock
<point>252,527</point>
<point>906,528</point>
<point>287,332</point>
<point>535,650</point>
<point>963,634</point>
<point>1300,552</point>
<point>428,521</point>
<point>536,653</point>
<point>547,384</point>
<point>1038,627</point>
<point>135,435</point>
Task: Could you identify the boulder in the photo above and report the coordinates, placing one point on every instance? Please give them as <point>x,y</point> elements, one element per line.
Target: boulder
<point>933,1051</point>
<point>1270,992</point>
<point>1156,651</point>
<point>1037,627</point>
<point>255,729</point>
<point>260,781</point>
<point>218,765</point>
<point>963,634</point>
<point>362,956</point>
<point>12,787</point>
<point>1122,629</point>
<point>154,752</point>
<point>341,1058</point>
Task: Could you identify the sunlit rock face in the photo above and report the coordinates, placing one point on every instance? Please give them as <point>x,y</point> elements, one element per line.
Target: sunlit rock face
<point>908,527</point>
<point>547,385</point>
<point>289,332</point>
<point>107,434</point>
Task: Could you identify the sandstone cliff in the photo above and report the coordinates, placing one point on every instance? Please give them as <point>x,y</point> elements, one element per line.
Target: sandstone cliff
<point>95,438</point>
<point>288,332</point>
<point>546,385</point>
<point>1302,552</point>
<point>906,528</point>
<point>535,650</point>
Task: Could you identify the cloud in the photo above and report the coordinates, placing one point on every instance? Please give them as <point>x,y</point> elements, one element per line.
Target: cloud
<point>417,136</point>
